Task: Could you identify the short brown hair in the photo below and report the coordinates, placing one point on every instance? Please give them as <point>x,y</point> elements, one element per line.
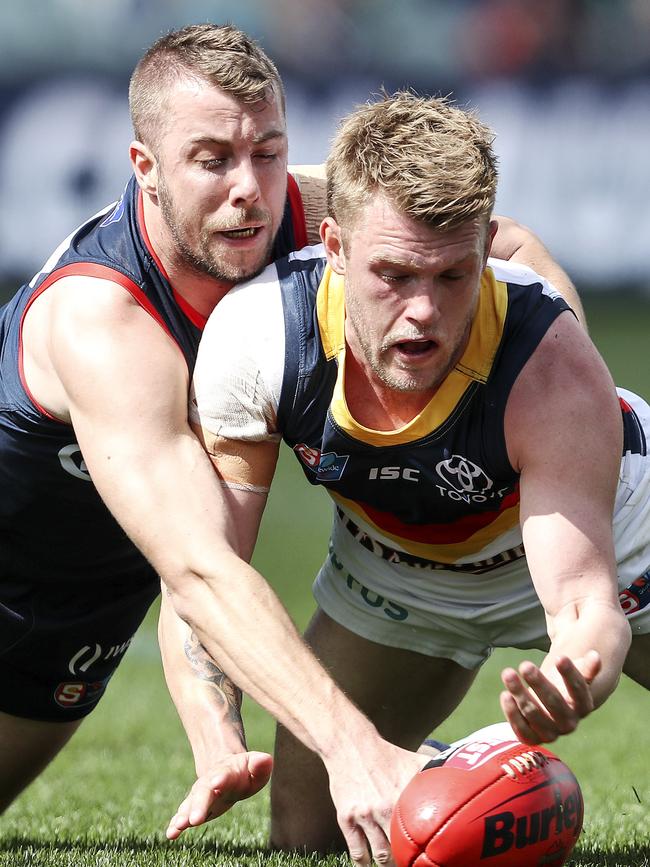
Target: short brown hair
<point>220,54</point>
<point>431,160</point>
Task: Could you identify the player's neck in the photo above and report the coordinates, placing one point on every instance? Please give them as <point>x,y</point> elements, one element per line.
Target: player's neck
<point>375,405</point>
<point>199,290</point>
<point>202,292</point>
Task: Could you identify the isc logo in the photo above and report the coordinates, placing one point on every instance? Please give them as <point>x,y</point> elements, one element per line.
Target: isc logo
<point>387,473</point>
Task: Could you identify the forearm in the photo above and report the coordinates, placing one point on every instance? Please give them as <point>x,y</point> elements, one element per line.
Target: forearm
<point>207,702</point>
<point>240,621</point>
<point>596,625</point>
<point>518,243</point>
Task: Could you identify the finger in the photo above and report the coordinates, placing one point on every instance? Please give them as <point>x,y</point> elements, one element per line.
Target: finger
<point>356,841</point>
<point>379,841</point>
<point>260,766</point>
<point>517,721</point>
<point>178,823</point>
<point>577,687</point>
<point>201,799</point>
<point>555,710</point>
<point>529,708</point>
<point>592,665</point>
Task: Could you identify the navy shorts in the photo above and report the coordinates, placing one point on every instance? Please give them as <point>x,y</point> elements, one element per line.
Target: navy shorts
<point>60,645</point>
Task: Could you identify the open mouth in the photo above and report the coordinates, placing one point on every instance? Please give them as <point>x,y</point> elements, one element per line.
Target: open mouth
<point>415,348</point>
<point>236,234</point>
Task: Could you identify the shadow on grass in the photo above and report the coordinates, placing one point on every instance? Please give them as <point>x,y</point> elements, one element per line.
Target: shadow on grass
<point>152,851</point>
<point>160,851</point>
<point>617,856</point>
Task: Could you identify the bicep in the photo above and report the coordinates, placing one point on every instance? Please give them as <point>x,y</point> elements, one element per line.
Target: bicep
<point>563,428</point>
<point>127,383</point>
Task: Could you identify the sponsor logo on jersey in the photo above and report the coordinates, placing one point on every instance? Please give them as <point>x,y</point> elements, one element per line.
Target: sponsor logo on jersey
<point>462,475</point>
<point>370,597</point>
<point>464,480</point>
<point>72,462</point>
<point>387,474</point>
<point>115,215</point>
<point>327,466</point>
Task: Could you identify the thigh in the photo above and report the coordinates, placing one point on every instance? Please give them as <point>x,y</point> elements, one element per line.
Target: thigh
<point>637,663</point>
<point>405,694</point>
<point>26,748</point>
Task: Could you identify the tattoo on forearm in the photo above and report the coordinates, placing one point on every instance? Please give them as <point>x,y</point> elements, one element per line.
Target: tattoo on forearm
<point>226,692</point>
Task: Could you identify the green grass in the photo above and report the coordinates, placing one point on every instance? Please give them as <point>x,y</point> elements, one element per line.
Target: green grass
<point>105,801</point>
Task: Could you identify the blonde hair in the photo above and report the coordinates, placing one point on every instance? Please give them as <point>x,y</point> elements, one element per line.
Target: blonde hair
<point>219,54</point>
<point>431,160</point>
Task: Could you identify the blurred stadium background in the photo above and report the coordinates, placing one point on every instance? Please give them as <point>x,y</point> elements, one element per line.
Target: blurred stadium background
<point>566,86</point>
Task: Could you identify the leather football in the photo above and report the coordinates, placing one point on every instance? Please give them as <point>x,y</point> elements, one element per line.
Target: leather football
<point>488,804</point>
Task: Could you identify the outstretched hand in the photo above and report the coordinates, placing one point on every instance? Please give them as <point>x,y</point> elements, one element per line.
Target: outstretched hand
<point>364,795</point>
<point>239,776</point>
<point>540,707</point>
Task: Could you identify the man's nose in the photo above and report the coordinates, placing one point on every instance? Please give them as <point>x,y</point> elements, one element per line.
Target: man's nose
<point>244,187</point>
<point>422,307</point>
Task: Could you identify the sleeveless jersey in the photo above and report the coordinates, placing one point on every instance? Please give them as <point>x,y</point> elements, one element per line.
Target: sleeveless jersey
<point>53,524</point>
<point>439,492</point>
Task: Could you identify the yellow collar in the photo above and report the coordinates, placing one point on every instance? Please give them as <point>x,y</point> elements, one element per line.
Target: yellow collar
<point>474,366</point>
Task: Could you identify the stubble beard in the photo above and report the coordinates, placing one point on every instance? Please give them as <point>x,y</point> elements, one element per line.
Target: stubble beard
<point>203,261</point>
<point>401,380</point>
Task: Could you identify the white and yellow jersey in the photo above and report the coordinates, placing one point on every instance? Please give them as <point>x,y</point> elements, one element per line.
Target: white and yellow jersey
<point>439,493</point>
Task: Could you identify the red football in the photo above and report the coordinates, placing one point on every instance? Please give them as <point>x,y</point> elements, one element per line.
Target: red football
<point>493,804</point>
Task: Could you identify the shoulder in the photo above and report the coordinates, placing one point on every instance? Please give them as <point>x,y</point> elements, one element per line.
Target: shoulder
<point>520,275</point>
<point>246,311</point>
<point>563,391</point>
<point>240,362</point>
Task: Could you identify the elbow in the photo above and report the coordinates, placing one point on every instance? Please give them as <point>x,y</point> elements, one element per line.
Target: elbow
<point>194,588</point>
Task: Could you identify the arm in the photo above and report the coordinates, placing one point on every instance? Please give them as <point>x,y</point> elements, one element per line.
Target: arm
<point>519,244</point>
<point>157,480</point>
<point>208,704</point>
<point>313,189</point>
<point>564,434</point>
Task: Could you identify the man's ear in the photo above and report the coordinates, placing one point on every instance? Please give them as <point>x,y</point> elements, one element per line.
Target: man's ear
<point>330,234</point>
<point>492,228</point>
<point>145,167</point>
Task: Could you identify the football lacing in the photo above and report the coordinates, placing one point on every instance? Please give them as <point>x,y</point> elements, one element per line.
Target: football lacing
<point>524,763</point>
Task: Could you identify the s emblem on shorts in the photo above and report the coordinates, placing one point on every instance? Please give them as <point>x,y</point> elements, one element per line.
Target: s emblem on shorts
<point>78,693</point>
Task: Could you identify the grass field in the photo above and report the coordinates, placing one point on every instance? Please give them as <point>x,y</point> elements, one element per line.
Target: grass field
<point>106,800</point>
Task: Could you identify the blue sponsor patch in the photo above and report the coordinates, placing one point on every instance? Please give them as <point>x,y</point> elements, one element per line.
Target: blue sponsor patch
<point>331,467</point>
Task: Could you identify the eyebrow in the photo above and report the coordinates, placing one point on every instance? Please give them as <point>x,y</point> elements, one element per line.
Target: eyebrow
<point>403,262</point>
<point>269,135</point>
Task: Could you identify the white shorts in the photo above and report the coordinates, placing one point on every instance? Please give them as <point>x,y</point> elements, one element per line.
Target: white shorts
<point>464,616</point>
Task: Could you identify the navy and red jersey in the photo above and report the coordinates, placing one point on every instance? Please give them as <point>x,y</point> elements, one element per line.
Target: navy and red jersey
<point>53,524</point>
